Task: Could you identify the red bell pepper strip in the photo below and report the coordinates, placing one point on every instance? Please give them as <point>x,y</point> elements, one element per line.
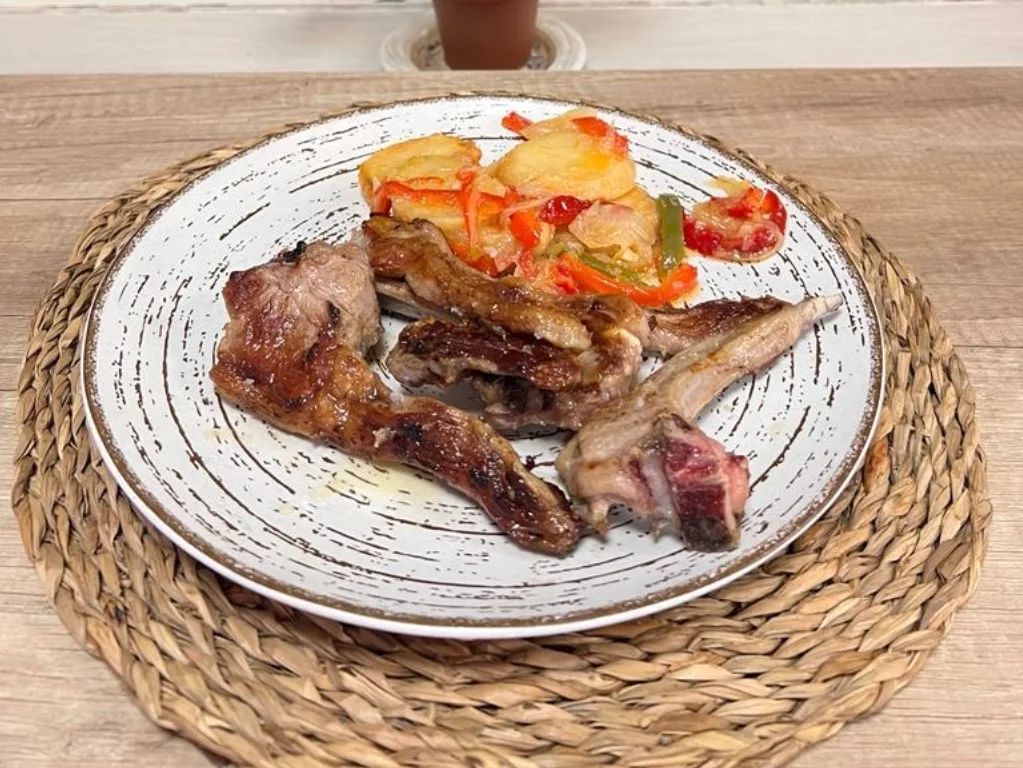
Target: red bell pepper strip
<point>391,189</point>
<point>525,226</point>
<point>515,122</point>
<point>562,280</point>
<point>599,129</point>
<point>481,261</point>
<point>675,285</point>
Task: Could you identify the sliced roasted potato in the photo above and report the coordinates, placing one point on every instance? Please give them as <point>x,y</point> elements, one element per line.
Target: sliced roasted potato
<point>448,218</point>
<point>638,200</point>
<point>566,163</point>
<point>438,156</point>
<point>562,122</point>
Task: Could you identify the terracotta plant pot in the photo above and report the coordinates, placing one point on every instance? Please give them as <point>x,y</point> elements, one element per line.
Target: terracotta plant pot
<point>486,34</point>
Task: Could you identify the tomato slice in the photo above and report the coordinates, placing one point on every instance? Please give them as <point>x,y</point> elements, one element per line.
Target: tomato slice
<point>515,122</point>
<point>746,226</point>
<point>775,211</point>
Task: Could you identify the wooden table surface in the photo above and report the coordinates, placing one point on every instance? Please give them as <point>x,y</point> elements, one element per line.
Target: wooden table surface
<point>931,161</point>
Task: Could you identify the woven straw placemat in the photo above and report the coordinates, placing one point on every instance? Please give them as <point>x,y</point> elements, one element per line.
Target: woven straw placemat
<point>749,675</point>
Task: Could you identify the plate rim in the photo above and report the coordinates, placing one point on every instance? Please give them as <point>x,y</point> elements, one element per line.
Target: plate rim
<point>342,610</point>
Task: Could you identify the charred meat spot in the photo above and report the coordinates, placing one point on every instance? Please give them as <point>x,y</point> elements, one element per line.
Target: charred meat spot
<point>333,313</point>
<point>294,403</point>
<point>310,354</point>
<point>292,255</point>
<point>409,431</point>
<point>478,477</point>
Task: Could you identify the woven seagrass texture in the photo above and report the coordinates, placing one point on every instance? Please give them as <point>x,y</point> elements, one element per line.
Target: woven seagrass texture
<point>749,675</point>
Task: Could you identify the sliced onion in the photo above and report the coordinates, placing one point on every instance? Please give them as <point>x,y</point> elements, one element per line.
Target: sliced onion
<point>607,225</point>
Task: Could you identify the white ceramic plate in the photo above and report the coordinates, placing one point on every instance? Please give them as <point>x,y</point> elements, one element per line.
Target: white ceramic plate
<point>381,546</point>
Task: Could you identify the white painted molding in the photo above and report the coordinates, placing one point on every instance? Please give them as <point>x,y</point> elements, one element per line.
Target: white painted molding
<point>340,37</point>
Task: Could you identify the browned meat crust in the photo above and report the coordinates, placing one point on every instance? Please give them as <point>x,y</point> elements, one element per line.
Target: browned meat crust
<point>672,330</point>
<point>609,371</point>
<point>441,352</point>
<point>292,354</point>
<point>418,254</point>
<point>516,395</point>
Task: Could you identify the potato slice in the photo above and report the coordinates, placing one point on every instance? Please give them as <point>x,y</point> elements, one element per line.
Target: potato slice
<point>438,155</point>
<point>566,163</point>
<point>448,218</point>
<point>562,122</point>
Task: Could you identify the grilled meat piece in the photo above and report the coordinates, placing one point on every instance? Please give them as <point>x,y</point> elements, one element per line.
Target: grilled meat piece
<point>457,291</point>
<point>418,254</point>
<point>644,451</point>
<point>615,359</point>
<point>522,381</point>
<point>672,330</point>
<point>609,372</point>
<point>292,353</point>
<point>672,467</point>
<point>516,397</point>
<point>442,352</point>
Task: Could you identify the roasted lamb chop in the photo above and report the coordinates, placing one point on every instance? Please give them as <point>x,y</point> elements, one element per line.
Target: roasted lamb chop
<point>512,373</point>
<point>419,276</point>
<point>644,451</point>
<point>522,381</point>
<point>418,255</point>
<point>497,332</point>
<point>292,353</point>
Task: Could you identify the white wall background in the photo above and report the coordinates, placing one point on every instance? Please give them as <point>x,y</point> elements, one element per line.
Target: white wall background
<point>89,36</point>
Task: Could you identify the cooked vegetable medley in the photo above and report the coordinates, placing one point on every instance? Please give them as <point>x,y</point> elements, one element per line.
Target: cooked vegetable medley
<point>562,208</point>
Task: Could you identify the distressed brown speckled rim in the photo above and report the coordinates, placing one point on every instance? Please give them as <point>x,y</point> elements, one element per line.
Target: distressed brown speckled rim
<point>341,610</point>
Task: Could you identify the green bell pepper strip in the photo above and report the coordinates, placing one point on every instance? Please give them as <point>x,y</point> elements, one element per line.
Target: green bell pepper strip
<point>617,271</point>
<point>673,247</point>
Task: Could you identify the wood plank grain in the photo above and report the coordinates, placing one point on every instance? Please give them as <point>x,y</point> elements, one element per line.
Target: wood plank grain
<point>929,168</point>
<point>931,161</point>
<point>35,241</point>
